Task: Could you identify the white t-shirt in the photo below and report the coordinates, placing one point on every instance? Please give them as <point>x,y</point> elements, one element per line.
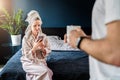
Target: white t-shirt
<point>104,11</point>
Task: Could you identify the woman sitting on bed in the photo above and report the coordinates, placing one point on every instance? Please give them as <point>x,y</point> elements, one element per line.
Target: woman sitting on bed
<point>35,48</point>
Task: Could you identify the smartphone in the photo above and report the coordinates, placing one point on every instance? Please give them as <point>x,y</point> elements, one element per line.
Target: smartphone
<point>40,38</point>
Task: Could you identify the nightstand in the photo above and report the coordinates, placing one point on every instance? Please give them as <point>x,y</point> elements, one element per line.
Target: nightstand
<point>7,51</point>
<point>15,48</point>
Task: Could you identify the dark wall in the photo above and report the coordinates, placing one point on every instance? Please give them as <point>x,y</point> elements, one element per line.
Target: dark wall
<point>59,13</point>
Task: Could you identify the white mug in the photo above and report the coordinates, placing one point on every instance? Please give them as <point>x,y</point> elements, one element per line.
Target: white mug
<point>69,29</point>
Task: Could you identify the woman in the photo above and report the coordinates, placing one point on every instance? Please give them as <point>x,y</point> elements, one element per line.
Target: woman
<point>35,48</point>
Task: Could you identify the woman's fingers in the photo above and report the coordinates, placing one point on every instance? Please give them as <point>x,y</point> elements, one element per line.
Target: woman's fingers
<point>40,40</point>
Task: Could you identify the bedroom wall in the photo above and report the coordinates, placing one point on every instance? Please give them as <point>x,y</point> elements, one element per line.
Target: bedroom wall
<point>59,13</point>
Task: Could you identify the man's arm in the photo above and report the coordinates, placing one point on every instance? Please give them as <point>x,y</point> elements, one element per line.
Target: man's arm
<point>108,49</point>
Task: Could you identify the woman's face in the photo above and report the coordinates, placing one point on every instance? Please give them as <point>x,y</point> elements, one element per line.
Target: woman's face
<point>36,27</point>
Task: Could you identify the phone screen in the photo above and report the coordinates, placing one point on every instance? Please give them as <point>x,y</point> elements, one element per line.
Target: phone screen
<point>40,38</point>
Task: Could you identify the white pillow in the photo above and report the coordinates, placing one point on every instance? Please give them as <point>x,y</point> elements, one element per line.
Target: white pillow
<point>53,38</point>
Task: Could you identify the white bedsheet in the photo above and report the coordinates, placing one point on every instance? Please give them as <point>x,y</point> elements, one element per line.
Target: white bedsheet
<point>57,44</point>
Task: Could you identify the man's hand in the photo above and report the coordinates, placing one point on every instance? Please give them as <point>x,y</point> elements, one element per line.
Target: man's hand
<point>65,38</point>
<point>74,35</point>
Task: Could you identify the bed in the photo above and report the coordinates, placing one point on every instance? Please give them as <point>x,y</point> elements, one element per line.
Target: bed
<point>65,64</point>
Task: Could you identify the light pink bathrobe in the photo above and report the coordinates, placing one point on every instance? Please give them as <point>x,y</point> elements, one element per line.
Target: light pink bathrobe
<point>35,68</point>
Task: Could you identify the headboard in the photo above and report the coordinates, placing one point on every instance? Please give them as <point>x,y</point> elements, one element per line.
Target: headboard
<point>61,31</point>
<point>55,31</point>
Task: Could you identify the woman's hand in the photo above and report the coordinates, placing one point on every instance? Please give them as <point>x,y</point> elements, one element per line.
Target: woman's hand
<point>44,53</point>
<point>38,45</point>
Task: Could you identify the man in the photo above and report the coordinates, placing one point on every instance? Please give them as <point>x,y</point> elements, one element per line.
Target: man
<point>104,44</point>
